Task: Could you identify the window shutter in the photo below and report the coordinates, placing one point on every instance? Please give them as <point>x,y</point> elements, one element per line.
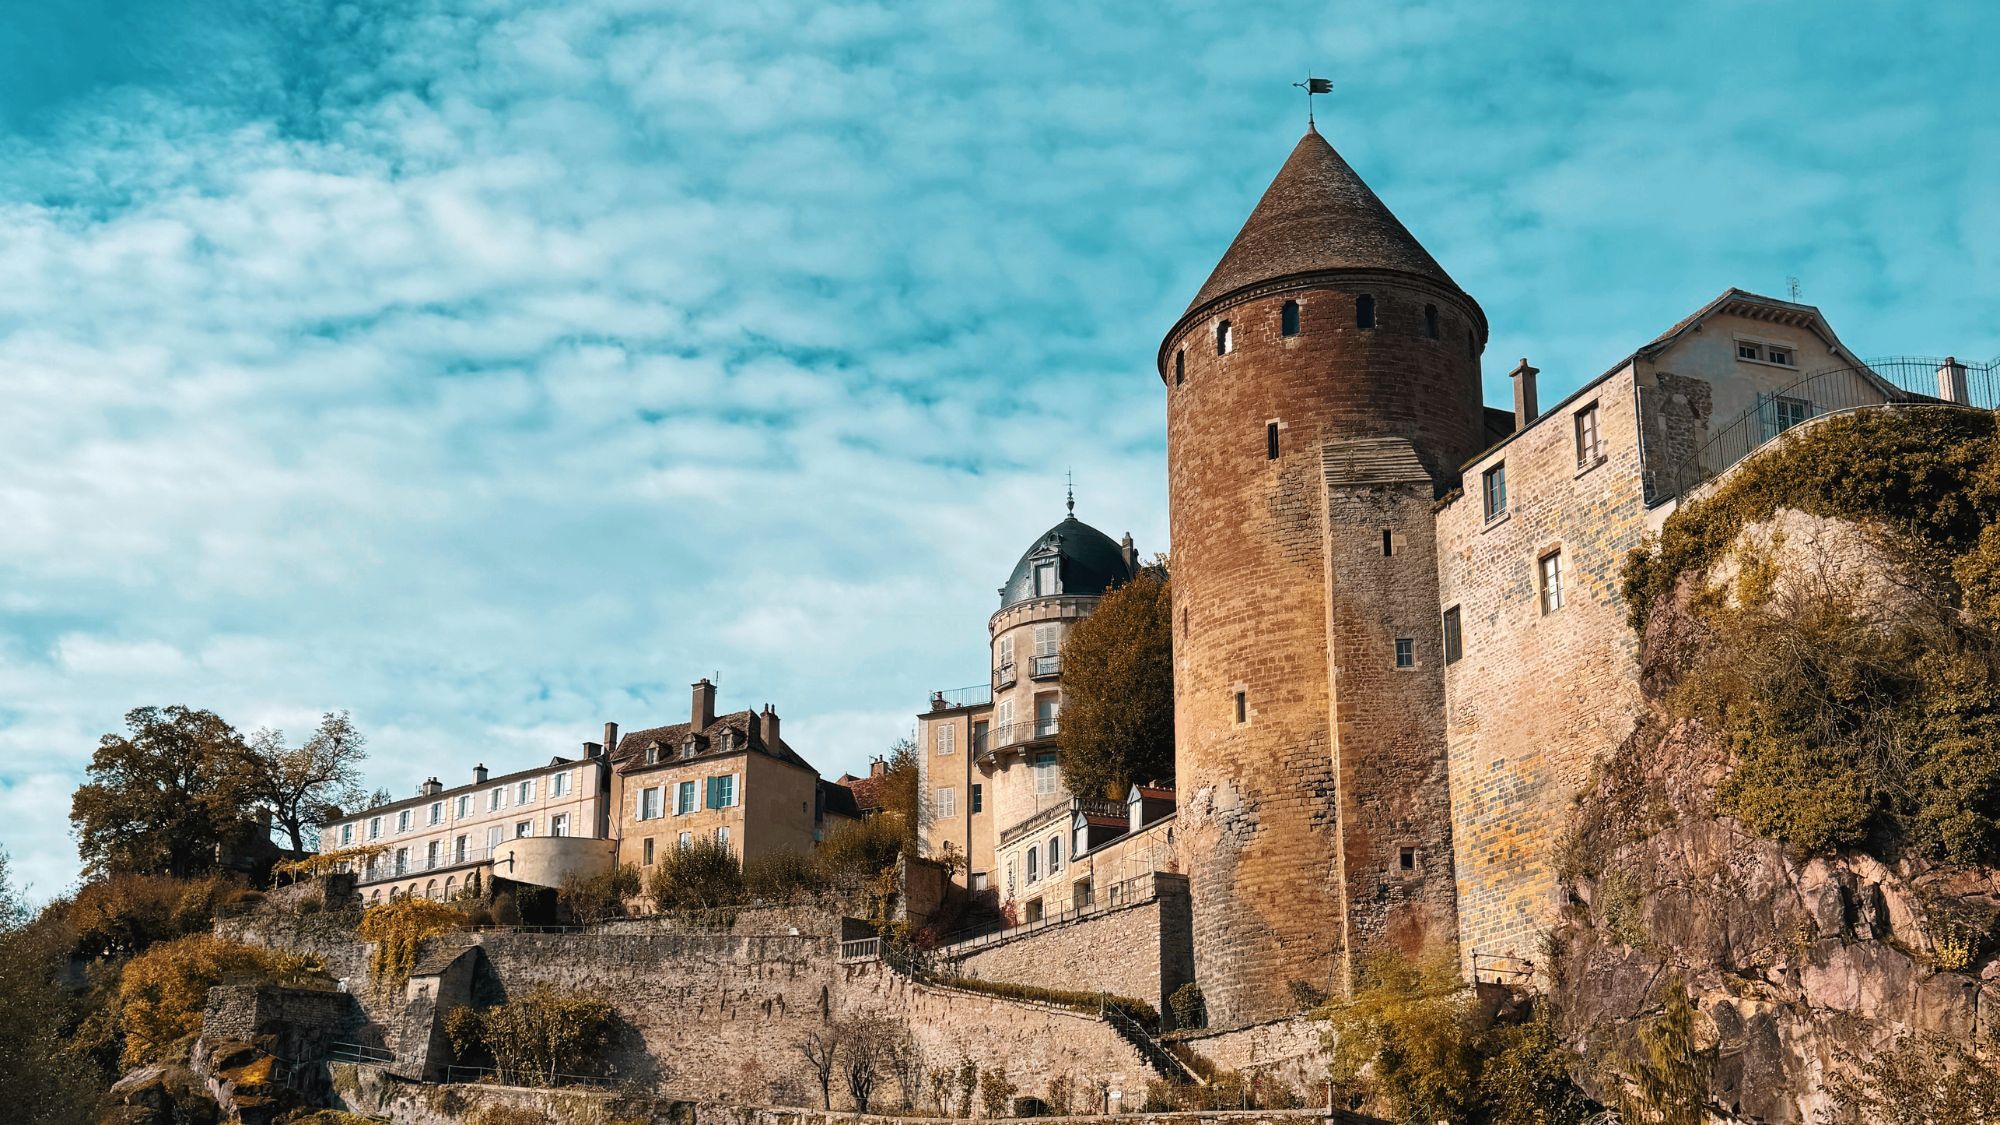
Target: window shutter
<point>735,788</point>
<point>708,794</point>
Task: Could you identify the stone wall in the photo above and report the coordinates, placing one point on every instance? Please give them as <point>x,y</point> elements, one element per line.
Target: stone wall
<point>1537,696</point>
<point>1142,949</point>
<point>301,1021</point>
<point>719,1014</point>
<point>1291,1051</point>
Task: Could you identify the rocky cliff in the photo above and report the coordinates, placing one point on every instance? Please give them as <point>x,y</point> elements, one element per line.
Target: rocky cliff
<point>1800,835</point>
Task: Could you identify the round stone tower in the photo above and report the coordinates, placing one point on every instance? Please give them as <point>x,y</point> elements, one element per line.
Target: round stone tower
<point>1322,392</point>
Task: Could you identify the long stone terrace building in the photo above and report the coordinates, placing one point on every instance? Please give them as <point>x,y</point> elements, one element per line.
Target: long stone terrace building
<point>535,825</point>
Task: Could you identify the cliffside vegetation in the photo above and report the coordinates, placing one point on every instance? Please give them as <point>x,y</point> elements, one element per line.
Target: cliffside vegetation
<point>1118,690</point>
<point>537,1039</point>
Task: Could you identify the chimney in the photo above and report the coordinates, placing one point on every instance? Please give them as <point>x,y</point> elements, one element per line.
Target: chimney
<point>610,738</point>
<point>878,767</point>
<point>593,749</point>
<point>1524,393</point>
<point>431,787</point>
<point>767,728</point>
<point>479,775</point>
<point>1951,381</point>
<point>1131,554</point>
<point>704,704</point>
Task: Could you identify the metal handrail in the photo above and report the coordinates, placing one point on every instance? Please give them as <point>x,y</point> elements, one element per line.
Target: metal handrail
<point>1125,892</point>
<point>360,1053</point>
<point>470,1074</point>
<point>1003,676</point>
<point>951,699</point>
<point>1899,380</point>
<point>1500,964</point>
<point>862,949</point>
<point>1045,667</point>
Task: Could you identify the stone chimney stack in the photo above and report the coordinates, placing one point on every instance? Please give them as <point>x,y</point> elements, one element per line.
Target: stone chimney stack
<point>1951,381</point>
<point>767,728</point>
<point>610,739</point>
<point>1131,554</point>
<point>593,750</point>
<point>479,775</point>
<point>1525,409</point>
<point>430,788</point>
<point>878,767</point>
<point>704,705</point>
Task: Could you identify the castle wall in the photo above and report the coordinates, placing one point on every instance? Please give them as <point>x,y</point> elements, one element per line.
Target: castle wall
<point>1258,824</point>
<point>1141,949</point>
<point>1537,697</point>
<point>1293,1051</point>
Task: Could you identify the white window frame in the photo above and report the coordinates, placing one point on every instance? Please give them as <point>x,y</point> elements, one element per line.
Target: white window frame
<point>947,738</point>
<point>432,851</point>
<point>1006,651</point>
<point>559,824</point>
<point>1045,579</point>
<point>1055,854</point>
<point>403,820</point>
<point>1406,646</point>
<point>686,840</point>
<point>686,798</point>
<point>944,803</point>
<point>461,847</point>
<point>728,790</point>
<point>1048,639</point>
<point>559,785</point>
<point>649,803</point>
<point>464,805</point>
<point>524,793</point>
<point>1045,773</point>
<point>374,828</point>
<point>1589,438</point>
<point>1549,581</point>
<point>523,829</point>
<point>1493,491</point>
<point>437,812</point>
<point>722,836</point>
<point>496,798</point>
<point>496,835</point>
<point>346,835</point>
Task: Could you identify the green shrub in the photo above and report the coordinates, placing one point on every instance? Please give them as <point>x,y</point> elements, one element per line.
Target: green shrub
<point>1076,1001</point>
<point>703,875</point>
<point>1923,1079</point>
<point>859,850</point>
<point>1189,1005</point>
<point>537,1038</point>
<point>598,897</point>
<point>163,990</point>
<point>781,876</point>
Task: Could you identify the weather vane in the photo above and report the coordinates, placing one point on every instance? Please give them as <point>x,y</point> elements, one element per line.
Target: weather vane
<point>1313,86</point>
<point>1070,476</point>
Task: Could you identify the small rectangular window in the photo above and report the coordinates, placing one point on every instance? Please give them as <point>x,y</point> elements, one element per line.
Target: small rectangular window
<point>1791,412</point>
<point>1748,351</point>
<point>559,824</point>
<point>648,861</point>
<point>346,834</point>
<point>1045,774</point>
<point>403,821</point>
<point>495,798</point>
<point>1453,641</point>
<point>978,799</point>
<point>947,738</point>
<point>1388,542</point>
<point>495,836</point>
<point>722,836</point>
<point>1493,487</point>
<point>944,803</point>
<point>559,785</point>
<point>1270,441</point>
<point>1406,652</point>
<point>1045,579</point>
<point>465,805</point>
<point>686,840</point>
<point>1406,858</point>
<point>1589,450</point>
<point>374,827</point>
<point>458,848</point>
<point>1780,356</point>
<point>1288,320</point>
<point>1552,581</point>
<point>1242,707</point>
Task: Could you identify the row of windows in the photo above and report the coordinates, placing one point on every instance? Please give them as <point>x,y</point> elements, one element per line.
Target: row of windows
<point>430,890</point>
<point>685,840</point>
<point>524,792</point>
<point>1291,322</point>
<point>719,792</point>
<point>459,849</point>
<point>1589,440</point>
<point>1550,596</point>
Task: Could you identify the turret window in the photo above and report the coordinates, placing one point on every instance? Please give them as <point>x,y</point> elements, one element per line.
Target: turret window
<point>1224,340</point>
<point>1288,320</point>
<point>1270,441</point>
<point>1180,367</point>
<point>1364,311</point>
<point>1430,322</point>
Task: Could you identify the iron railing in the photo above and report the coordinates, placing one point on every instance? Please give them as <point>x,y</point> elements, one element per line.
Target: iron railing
<point>1126,892</point>
<point>448,861</point>
<point>978,695</point>
<point>1045,667</point>
<point>1013,734</point>
<point>360,1053</point>
<point>536,1078</point>
<point>1496,966</point>
<point>1003,676</point>
<point>1900,380</point>
<point>865,949</point>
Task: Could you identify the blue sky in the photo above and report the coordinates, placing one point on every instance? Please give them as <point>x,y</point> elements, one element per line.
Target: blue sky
<point>493,369</point>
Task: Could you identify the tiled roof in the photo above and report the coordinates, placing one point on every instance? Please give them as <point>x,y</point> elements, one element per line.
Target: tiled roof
<point>839,799</point>
<point>867,791</point>
<point>631,752</point>
<point>1317,215</point>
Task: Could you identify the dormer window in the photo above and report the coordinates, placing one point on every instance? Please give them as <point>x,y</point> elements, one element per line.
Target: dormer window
<point>689,748</point>
<point>1224,340</point>
<point>653,754</point>
<point>1045,579</point>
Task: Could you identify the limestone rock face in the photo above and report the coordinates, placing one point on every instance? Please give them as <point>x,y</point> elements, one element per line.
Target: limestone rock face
<point>158,1095</point>
<point>1800,967</point>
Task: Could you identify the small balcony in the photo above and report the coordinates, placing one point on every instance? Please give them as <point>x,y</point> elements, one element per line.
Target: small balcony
<point>1003,676</point>
<point>1045,668</point>
<point>1014,734</point>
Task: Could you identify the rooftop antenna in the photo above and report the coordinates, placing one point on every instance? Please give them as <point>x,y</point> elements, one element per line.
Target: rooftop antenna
<point>1070,475</point>
<point>1313,86</point>
<point>1792,284</point>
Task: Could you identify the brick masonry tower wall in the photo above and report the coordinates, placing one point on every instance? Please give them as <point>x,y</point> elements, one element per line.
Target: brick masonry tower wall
<point>1538,696</point>
<point>1258,820</point>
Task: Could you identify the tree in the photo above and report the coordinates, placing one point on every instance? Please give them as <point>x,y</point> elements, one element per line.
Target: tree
<point>46,1081</point>
<point>306,785</point>
<point>702,875</point>
<point>1671,1072</point>
<point>900,793</point>
<point>870,1047</point>
<point>161,799</point>
<point>820,1049</point>
<point>1118,690</point>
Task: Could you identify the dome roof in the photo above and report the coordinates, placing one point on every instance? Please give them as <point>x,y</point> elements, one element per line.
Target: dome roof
<point>1088,563</point>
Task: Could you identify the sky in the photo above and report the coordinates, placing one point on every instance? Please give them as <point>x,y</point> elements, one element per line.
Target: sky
<point>494,369</point>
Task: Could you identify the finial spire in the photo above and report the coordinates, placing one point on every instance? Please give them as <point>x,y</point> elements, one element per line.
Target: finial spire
<point>1070,474</point>
<point>1313,86</point>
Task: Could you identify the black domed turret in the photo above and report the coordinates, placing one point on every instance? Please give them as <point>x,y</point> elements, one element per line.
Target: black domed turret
<point>1071,558</point>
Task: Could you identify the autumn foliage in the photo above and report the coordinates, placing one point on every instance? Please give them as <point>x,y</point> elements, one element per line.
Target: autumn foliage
<point>1118,690</point>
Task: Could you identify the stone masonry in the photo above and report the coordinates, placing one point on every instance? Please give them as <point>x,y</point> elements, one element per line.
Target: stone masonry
<point>1138,949</point>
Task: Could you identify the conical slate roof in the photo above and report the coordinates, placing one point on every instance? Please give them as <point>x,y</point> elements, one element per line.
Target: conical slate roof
<point>1317,215</point>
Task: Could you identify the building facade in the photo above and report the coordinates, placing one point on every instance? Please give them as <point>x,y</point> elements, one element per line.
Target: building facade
<point>727,778</point>
<point>439,842</point>
<point>989,770</point>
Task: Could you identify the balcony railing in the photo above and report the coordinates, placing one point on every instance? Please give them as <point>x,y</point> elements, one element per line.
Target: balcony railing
<point>1046,667</point>
<point>978,695</point>
<point>1014,734</point>
<point>387,870</point>
<point>1003,676</point>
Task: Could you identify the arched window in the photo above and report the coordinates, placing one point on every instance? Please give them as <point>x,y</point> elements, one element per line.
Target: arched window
<point>1055,854</point>
<point>450,887</point>
<point>1364,311</point>
<point>1430,322</point>
<point>1288,320</point>
<point>1180,367</point>
<point>1224,340</point>
<point>431,889</point>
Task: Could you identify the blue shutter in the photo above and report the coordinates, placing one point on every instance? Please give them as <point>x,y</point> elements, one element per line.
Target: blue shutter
<point>708,795</point>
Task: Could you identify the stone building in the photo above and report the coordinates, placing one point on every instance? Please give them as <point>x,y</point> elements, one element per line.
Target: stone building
<point>728,778</point>
<point>989,769</point>
<point>536,825</point>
